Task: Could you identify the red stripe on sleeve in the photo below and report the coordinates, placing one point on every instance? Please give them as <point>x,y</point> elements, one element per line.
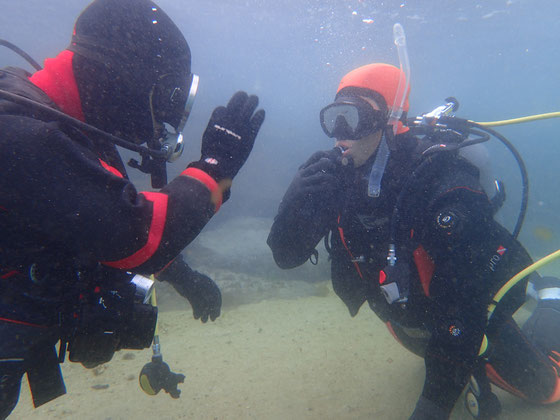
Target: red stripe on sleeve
<point>9,274</point>
<point>159,215</point>
<point>209,182</point>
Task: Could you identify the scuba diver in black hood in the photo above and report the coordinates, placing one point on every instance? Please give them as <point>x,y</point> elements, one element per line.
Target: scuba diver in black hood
<point>76,234</point>
<point>410,230</point>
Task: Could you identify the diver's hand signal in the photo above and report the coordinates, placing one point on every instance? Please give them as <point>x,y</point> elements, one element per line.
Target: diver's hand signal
<point>317,179</point>
<point>230,136</point>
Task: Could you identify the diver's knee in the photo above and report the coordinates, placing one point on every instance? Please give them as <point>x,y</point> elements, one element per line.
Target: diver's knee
<point>10,384</point>
<point>543,288</point>
<point>543,326</point>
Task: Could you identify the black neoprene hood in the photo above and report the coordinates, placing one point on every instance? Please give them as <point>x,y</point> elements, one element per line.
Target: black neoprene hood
<point>128,53</point>
<point>134,36</point>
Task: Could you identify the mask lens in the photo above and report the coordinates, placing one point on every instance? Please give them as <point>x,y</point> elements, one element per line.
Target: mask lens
<point>350,119</point>
<point>339,119</point>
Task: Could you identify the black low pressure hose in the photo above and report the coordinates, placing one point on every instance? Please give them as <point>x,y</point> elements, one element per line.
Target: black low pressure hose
<point>522,169</point>
<point>468,127</point>
<point>21,53</point>
<point>61,116</point>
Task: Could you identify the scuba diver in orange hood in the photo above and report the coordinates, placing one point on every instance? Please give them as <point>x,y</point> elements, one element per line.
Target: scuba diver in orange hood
<point>410,230</point>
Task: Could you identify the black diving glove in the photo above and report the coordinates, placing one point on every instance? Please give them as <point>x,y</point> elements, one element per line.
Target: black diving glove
<point>230,136</point>
<point>317,179</point>
<point>200,290</point>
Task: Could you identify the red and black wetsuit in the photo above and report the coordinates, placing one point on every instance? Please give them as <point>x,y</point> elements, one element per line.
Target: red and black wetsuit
<point>67,203</point>
<point>62,188</point>
<point>455,268</point>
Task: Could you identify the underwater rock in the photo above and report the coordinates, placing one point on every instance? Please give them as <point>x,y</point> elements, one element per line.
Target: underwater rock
<point>239,246</point>
<point>235,255</point>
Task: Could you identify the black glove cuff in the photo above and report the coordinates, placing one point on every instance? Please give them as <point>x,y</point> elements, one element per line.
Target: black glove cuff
<point>177,272</point>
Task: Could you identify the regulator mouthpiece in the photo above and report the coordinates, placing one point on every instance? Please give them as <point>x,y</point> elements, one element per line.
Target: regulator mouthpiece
<point>172,144</point>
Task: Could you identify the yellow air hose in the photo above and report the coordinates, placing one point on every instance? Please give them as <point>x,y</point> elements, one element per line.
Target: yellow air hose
<point>153,302</point>
<point>529,118</point>
<point>509,284</point>
<point>543,261</point>
<point>538,264</point>
<point>518,277</point>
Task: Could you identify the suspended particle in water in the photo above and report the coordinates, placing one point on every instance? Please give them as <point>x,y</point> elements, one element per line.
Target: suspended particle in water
<point>367,21</point>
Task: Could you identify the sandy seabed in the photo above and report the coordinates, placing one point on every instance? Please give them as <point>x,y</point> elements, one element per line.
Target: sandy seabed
<point>277,359</point>
<point>284,347</point>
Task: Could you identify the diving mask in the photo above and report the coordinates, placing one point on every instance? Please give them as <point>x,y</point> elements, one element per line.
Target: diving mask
<point>171,107</point>
<point>351,118</point>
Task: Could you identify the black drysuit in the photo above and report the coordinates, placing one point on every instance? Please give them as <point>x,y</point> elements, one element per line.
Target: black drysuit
<point>67,206</point>
<point>454,253</point>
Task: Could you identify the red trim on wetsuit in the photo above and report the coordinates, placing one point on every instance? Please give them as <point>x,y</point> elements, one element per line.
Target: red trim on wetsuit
<point>392,331</point>
<point>57,80</point>
<point>109,168</point>
<point>9,274</point>
<point>464,188</point>
<point>159,215</point>
<point>341,232</point>
<point>555,396</point>
<point>209,182</point>
<point>382,277</point>
<point>425,267</point>
<point>163,269</point>
<point>499,381</point>
<point>13,321</point>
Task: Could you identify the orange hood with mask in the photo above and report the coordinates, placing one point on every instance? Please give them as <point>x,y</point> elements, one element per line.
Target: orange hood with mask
<point>381,78</point>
